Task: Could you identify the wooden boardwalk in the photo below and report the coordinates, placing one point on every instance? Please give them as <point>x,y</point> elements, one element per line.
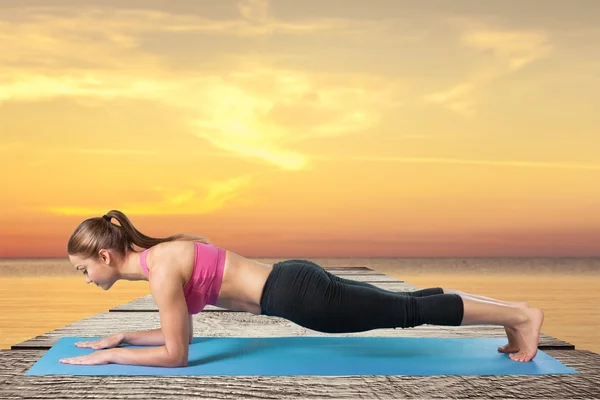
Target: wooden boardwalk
<point>142,314</point>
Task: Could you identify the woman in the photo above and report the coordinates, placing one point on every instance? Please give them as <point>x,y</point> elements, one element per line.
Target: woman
<point>187,272</point>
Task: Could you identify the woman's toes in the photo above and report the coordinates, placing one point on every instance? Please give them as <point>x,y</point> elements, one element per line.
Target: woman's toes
<point>508,348</point>
<point>520,356</point>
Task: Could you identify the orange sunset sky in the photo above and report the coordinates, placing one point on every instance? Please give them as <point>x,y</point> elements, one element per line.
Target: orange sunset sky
<point>305,128</point>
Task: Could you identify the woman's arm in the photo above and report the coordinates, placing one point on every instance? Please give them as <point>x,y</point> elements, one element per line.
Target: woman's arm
<point>173,338</point>
<point>146,338</point>
<point>147,356</point>
<point>154,337</point>
<point>166,289</point>
<point>125,355</point>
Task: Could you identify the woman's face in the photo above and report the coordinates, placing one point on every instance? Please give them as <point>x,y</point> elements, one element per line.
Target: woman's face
<point>98,272</point>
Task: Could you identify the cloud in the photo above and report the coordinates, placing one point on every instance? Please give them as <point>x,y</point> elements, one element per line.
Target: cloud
<point>45,28</point>
<point>222,192</point>
<point>504,52</point>
<point>456,98</point>
<point>514,49</point>
<point>104,85</point>
<point>250,108</point>
<point>261,113</point>
<point>187,201</point>
<point>117,152</point>
<point>254,10</point>
<point>251,114</point>
<point>436,160</point>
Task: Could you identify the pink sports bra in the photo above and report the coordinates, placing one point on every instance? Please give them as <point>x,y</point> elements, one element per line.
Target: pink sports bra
<point>207,276</point>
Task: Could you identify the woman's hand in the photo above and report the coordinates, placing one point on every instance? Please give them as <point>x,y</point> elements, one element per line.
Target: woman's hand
<point>105,343</point>
<point>97,358</point>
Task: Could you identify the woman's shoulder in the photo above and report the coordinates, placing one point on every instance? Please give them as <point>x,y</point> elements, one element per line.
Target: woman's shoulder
<point>173,248</point>
<point>172,257</point>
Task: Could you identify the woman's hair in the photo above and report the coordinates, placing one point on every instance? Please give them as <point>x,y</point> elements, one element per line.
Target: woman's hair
<point>98,233</point>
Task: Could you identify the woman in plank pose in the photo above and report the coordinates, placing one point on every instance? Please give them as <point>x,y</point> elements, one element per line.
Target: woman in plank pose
<point>186,272</point>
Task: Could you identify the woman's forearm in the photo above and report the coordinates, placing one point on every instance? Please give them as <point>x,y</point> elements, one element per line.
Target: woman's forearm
<point>154,337</point>
<point>151,356</point>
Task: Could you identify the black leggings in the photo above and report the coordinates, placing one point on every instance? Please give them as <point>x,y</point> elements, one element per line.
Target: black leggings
<point>306,294</point>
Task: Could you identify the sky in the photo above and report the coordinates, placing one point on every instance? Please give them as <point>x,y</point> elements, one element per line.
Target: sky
<point>304,129</point>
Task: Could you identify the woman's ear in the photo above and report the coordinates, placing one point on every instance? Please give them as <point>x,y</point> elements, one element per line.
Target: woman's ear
<point>104,255</point>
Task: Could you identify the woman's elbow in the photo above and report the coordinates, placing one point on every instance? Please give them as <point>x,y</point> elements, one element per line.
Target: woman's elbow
<point>176,359</point>
<point>181,363</point>
<point>176,362</point>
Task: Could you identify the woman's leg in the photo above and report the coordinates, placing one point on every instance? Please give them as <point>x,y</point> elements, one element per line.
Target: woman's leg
<point>424,292</point>
<point>513,344</point>
<point>306,295</point>
<point>526,323</point>
<point>416,293</point>
<point>488,299</point>
<point>480,310</point>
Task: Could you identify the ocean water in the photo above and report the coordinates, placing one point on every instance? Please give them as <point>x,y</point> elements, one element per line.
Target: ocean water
<point>39,295</point>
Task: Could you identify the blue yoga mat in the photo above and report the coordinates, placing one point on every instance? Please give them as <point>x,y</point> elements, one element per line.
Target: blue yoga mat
<point>318,355</point>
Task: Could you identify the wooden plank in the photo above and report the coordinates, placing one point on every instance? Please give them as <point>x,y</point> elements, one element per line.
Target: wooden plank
<point>13,365</point>
<point>249,325</point>
<point>584,385</point>
<point>147,304</point>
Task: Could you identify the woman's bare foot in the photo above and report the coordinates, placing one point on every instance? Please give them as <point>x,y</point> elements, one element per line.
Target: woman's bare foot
<point>514,344</point>
<point>528,335</point>
<point>514,340</point>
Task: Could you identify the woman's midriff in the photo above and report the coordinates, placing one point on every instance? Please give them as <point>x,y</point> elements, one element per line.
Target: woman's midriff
<point>243,282</point>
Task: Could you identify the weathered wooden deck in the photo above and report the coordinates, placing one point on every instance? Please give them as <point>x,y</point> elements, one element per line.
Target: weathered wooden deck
<point>142,314</point>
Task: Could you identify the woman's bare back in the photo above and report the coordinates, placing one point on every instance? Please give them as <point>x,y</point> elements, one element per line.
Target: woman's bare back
<point>243,279</point>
